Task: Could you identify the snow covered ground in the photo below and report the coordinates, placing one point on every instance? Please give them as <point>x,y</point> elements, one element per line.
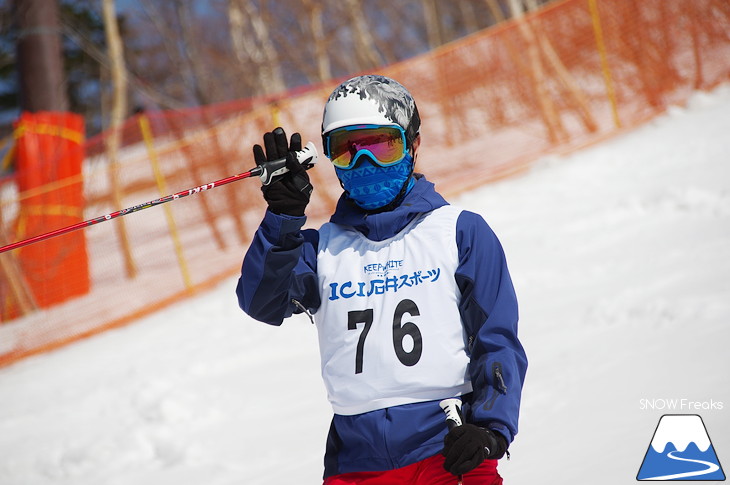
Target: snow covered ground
<point>620,255</point>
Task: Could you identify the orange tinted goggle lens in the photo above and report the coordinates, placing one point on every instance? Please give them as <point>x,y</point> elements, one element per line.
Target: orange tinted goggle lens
<point>387,144</point>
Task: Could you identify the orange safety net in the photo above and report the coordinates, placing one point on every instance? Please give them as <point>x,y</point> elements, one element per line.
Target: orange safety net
<point>573,73</point>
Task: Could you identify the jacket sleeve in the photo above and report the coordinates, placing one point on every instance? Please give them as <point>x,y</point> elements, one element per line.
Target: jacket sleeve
<point>489,313</point>
<point>278,269</point>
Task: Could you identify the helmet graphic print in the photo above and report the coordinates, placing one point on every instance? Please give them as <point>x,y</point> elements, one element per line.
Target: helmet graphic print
<point>374,101</point>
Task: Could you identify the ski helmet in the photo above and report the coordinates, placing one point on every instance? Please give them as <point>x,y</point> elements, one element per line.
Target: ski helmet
<point>372,99</point>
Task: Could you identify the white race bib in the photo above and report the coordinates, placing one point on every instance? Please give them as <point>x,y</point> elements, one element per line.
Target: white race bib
<point>389,327</point>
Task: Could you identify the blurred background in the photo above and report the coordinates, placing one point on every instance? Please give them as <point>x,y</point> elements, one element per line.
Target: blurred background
<point>186,53</point>
<point>108,104</point>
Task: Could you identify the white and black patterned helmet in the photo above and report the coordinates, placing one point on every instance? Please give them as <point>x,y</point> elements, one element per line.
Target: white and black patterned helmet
<point>374,100</point>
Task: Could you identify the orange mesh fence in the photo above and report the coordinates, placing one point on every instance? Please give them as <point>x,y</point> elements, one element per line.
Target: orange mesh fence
<point>573,73</point>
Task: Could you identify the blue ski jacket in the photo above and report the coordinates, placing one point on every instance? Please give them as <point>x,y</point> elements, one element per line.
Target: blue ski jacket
<point>279,278</point>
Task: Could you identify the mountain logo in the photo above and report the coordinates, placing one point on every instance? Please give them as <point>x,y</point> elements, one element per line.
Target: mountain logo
<point>680,450</point>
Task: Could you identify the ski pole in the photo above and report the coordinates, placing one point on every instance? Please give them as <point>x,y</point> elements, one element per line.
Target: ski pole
<point>452,408</point>
<point>307,157</point>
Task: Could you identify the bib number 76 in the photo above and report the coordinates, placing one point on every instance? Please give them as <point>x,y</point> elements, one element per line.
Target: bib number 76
<point>400,331</point>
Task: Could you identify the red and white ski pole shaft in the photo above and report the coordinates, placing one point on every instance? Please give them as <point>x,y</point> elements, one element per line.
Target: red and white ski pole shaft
<point>307,156</point>
<point>452,408</point>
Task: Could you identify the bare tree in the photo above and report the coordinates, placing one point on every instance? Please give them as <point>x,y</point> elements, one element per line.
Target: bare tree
<point>199,76</point>
<point>117,115</point>
<point>547,110</point>
<point>156,13</point>
<point>432,20</point>
<point>364,48</point>
<point>315,11</point>
<point>254,46</point>
<point>180,55</point>
<point>469,15</point>
<point>187,65</point>
<point>236,29</point>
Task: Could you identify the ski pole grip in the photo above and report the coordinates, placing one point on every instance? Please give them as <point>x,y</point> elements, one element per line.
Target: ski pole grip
<point>452,408</point>
<point>307,157</point>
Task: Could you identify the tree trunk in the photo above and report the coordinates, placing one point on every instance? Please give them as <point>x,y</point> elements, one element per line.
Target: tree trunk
<point>117,114</point>
<point>40,65</point>
<point>199,75</point>
<point>433,28</point>
<point>548,113</point>
<point>271,79</point>
<point>324,69</point>
<point>236,24</point>
<point>365,49</point>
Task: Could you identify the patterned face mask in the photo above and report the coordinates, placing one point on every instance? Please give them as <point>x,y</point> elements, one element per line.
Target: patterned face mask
<point>373,187</point>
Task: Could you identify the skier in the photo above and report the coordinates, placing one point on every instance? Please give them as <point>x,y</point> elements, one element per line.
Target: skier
<point>411,297</point>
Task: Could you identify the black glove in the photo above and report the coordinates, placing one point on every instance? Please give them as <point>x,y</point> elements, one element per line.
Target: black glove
<point>289,193</point>
<point>467,446</point>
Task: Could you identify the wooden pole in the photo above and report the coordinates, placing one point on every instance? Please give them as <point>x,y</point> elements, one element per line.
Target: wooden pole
<point>187,148</point>
<point>118,112</point>
<point>549,114</point>
<point>144,126</point>
<point>13,275</point>
<point>598,32</point>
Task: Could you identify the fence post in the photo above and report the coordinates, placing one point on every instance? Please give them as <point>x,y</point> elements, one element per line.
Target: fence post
<point>598,32</point>
<point>16,296</point>
<point>144,127</point>
<point>190,146</point>
<point>275,112</point>
<point>696,46</point>
<point>112,140</point>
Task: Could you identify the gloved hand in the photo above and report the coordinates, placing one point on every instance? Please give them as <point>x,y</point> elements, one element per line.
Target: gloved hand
<point>289,193</point>
<point>467,446</point>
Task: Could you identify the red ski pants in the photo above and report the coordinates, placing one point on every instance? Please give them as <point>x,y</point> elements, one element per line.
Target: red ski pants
<point>426,472</point>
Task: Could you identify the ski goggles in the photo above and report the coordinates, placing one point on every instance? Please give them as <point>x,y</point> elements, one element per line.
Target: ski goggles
<point>385,144</point>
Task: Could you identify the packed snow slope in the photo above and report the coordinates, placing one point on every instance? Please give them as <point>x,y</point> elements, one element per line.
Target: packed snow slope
<point>620,255</point>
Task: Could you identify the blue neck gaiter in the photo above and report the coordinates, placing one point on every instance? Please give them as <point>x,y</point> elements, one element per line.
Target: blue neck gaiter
<point>373,187</point>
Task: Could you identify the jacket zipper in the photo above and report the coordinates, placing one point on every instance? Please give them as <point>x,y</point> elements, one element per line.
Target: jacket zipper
<point>498,378</point>
<point>499,386</point>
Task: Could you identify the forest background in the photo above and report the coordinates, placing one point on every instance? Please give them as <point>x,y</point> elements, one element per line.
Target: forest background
<point>184,53</point>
